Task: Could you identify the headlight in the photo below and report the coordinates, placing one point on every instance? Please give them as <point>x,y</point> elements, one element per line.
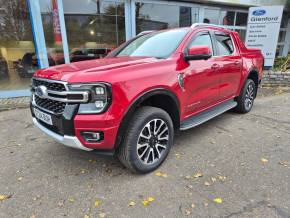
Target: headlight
<point>100,97</point>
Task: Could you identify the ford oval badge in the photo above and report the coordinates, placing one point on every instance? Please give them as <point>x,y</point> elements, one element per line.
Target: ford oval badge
<point>41,91</point>
<point>259,12</point>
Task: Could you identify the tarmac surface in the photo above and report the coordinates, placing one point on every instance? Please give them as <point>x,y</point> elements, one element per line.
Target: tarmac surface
<point>232,166</point>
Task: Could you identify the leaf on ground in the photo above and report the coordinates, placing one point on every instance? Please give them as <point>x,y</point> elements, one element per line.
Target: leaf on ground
<point>189,186</point>
<point>19,178</point>
<point>187,212</point>
<point>86,216</point>
<point>213,179</point>
<point>206,183</point>
<point>150,199</point>
<point>284,163</point>
<point>33,216</point>
<point>60,203</point>
<point>222,178</point>
<point>83,171</point>
<point>147,201</point>
<point>192,205</point>
<point>71,200</point>
<point>218,200</point>
<point>177,156</point>
<point>102,215</point>
<point>197,175</point>
<point>160,174</point>
<point>212,142</point>
<point>187,177</point>
<point>4,197</point>
<point>92,161</point>
<point>97,203</point>
<point>131,204</point>
<point>264,160</point>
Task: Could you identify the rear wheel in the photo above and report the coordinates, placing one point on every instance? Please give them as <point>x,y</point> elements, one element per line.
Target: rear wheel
<point>247,96</point>
<point>147,141</point>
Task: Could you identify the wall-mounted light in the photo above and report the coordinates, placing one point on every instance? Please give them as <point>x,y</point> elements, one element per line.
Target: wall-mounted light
<point>92,32</point>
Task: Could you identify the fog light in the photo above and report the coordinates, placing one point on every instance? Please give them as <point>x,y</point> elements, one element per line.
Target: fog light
<point>92,136</point>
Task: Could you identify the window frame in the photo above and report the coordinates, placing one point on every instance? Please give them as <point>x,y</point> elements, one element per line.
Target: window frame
<point>216,43</point>
<point>195,35</point>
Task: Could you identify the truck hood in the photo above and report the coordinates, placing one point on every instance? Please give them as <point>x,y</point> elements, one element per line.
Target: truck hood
<point>92,70</point>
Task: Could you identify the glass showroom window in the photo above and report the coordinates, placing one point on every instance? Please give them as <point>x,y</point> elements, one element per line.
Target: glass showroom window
<point>282,35</point>
<point>151,16</point>
<point>227,18</point>
<point>51,28</point>
<point>234,20</point>
<point>211,16</point>
<point>17,54</point>
<point>93,27</point>
<point>241,19</point>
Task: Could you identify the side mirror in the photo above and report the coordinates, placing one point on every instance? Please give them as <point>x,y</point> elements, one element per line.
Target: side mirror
<point>200,52</point>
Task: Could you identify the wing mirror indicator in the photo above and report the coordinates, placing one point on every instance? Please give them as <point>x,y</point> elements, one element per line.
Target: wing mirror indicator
<point>200,52</point>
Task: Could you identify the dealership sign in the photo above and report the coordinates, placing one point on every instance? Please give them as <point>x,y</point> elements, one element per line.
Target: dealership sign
<point>263,30</point>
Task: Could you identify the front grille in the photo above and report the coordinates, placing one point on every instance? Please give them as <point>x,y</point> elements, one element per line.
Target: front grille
<point>53,86</point>
<point>54,96</point>
<point>50,105</point>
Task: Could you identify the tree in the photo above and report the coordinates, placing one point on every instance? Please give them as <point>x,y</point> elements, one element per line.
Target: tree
<point>15,21</point>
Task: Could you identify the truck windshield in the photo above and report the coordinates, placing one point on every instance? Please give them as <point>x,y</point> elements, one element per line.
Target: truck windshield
<point>158,45</point>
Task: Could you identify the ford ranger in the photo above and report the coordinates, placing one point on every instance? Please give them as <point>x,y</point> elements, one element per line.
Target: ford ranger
<point>132,102</point>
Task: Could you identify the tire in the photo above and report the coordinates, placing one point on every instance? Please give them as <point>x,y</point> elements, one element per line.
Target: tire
<point>141,160</point>
<point>246,98</point>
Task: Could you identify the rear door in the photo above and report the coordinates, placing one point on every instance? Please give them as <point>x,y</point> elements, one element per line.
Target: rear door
<point>230,65</point>
<point>201,79</point>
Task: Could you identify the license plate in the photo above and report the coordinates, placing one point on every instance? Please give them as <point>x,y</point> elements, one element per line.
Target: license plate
<point>42,116</point>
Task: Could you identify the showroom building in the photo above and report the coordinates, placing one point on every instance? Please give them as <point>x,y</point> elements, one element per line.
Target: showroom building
<point>41,33</point>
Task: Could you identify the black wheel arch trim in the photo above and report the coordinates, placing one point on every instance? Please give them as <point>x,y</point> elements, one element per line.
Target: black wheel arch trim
<point>254,70</point>
<point>134,105</point>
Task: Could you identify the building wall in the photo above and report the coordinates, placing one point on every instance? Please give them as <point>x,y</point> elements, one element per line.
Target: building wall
<point>247,2</point>
<point>91,28</point>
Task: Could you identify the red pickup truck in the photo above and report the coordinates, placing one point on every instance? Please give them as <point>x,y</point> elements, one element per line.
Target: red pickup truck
<point>133,101</point>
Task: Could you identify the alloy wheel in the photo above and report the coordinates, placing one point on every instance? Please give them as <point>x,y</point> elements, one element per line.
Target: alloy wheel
<point>152,141</point>
<point>249,97</point>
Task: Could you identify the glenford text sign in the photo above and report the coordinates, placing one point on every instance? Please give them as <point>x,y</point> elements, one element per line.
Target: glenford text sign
<point>263,30</point>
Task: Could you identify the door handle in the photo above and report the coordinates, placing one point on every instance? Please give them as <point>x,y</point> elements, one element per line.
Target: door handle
<point>215,66</point>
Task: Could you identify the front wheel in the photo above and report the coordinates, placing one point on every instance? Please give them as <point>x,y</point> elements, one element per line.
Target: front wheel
<point>247,96</point>
<point>147,141</point>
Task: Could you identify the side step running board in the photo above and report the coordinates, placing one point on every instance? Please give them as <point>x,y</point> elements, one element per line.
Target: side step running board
<point>207,115</point>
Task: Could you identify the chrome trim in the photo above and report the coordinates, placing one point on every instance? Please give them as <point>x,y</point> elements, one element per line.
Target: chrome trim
<point>52,81</point>
<point>70,141</point>
<point>65,100</point>
<point>85,94</point>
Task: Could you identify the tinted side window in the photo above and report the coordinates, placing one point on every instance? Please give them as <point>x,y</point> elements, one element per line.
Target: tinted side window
<point>224,44</point>
<point>203,39</point>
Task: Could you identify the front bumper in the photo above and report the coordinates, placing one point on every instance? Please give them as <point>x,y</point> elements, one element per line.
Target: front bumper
<point>67,128</point>
<point>70,141</point>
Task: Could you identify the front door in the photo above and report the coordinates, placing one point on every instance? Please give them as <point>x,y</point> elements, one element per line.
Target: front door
<point>230,63</point>
<point>201,79</point>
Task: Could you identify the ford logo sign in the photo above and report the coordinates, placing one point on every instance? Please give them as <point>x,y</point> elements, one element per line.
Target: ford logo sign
<point>259,12</point>
<point>41,91</point>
